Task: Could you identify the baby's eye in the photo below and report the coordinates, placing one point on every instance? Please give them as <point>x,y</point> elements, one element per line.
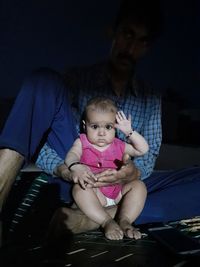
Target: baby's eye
<point>94,126</point>
<point>109,127</point>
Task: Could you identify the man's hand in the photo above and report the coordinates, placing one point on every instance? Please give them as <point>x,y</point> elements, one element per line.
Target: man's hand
<point>127,173</point>
<point>63,172</point>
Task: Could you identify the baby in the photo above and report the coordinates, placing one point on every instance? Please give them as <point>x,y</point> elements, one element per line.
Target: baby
<point>97,150</point>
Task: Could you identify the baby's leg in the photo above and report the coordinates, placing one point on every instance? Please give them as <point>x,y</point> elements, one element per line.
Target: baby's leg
<point>91,202</point>
<point>132,203</point>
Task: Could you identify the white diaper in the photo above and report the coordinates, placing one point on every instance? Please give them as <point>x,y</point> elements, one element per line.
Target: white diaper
<point>110,202</point>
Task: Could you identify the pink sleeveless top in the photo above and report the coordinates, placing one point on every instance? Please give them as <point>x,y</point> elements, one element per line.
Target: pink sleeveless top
<point>98,161</point>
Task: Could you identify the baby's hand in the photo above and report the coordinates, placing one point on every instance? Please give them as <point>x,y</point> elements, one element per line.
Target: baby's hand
<point>123,124</point>
<point>82,175</point>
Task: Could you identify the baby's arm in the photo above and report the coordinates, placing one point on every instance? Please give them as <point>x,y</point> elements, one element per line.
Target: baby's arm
<point>80,173</point>
<point>138,145</point>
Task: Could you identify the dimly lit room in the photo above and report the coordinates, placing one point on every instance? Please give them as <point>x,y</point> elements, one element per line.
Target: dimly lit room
<point>99,133</point>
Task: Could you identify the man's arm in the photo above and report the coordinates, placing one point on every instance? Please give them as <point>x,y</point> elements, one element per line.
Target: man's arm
<point>152,132</point>
<point>63,172</point>
<point>49,161</point>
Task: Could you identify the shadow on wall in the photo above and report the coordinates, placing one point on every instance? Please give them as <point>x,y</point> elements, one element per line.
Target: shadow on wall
<point>176,157</point>
<point>180,122</point>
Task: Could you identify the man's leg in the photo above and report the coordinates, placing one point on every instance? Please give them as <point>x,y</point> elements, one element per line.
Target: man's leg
<point>41,105</point>
<point>30,118</point>
<point>172,195</point>
<point>10,164</point>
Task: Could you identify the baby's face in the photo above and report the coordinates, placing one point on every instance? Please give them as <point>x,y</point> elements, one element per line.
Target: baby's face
<point>100,128</point>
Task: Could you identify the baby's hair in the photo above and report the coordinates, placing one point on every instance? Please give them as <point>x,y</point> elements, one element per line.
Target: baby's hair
<point>101,104</point>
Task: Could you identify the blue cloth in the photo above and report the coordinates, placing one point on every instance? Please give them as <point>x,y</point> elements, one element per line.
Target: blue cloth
<point>142,102</point>
<point>172,195</point>
<point>48,159</point>
<point>41,113</point>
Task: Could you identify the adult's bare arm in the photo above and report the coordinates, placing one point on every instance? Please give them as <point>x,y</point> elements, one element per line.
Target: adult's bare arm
<point>127,173</point>
<point>63,172</point>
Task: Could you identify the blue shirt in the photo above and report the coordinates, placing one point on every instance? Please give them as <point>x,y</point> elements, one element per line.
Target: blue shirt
<point>138,100</point>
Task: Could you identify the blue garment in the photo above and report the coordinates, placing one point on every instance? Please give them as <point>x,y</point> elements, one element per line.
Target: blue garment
<point>172,195</point>
<point>41,113</point>
<point>140,101</point>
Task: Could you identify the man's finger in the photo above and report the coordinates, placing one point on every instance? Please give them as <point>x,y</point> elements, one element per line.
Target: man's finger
<point>126,159</point>
<point>105,173</point>
<point>100,184</point>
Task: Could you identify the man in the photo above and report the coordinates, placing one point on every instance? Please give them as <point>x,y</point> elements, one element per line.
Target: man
<point>41,113</point>
<point>138,24</point>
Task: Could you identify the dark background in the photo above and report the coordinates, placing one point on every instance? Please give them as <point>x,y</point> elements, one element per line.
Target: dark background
<point>62,33</point>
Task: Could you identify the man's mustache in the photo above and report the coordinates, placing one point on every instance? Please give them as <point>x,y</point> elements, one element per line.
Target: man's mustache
<point>126,57</point>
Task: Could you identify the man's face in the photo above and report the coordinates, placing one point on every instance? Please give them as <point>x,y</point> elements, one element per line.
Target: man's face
<point>129,45</point>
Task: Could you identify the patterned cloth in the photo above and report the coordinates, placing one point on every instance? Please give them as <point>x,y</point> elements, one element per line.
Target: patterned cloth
<point>142,102</point>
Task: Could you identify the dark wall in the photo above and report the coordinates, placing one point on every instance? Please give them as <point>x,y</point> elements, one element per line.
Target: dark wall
<point>62,33</point>
<point>50,33</point>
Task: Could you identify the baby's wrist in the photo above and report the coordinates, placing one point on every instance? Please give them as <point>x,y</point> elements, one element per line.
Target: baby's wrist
<point>73,164</point>
<point>129,133</point>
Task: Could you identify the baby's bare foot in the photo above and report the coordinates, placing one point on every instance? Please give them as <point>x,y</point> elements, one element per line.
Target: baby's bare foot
<point>112,230</point>
<point>129,230</point>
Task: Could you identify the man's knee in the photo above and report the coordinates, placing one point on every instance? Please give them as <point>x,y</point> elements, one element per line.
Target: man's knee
<point>10,157</point>
<point>10,164</point>
<point>9,152</point>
